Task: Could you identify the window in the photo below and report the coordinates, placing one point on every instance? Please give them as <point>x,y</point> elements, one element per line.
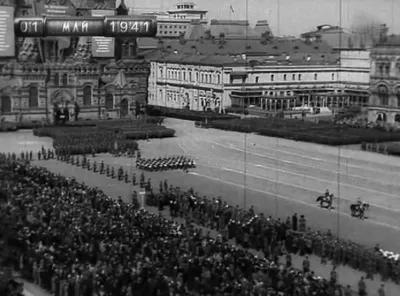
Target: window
<point>257,78</point>
<point>184,75</point>
<point>387,69</point>
<point>218,79</point>
<point>65,79</point>
<point>383,95</point>
<point>56,79</point>
<point>33,97</point>
<point>190,76</point>
<point>272,77</point>
<point>380,70</point>
<point>87,95</point>
<point>333,76</point>
<point>161,72</point>
<point>284,77</point>
<point>5,104</point>
<point>197,76</point>
<point>398,96</point>
<point>109,101</point>
<point>315,76</point>
<point>294,77</point>
<point>299,77</point>
<point>202,77</point>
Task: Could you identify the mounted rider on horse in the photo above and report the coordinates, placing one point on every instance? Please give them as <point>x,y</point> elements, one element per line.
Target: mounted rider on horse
<point>326,200</point>
<point>358,209</point>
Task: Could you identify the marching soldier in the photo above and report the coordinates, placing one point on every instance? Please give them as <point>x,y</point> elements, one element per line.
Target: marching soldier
<point>112,173</point>
<point>89,167</point>
<point>102,167</point>
<point>77,160</point>
<point>72,160</point>
<point>108,171</point>
<point>30,155</point>
<point>39,155</point>
<point>142,180</point>
<point>126,177</point>
<point>22,155</point>
<point>68,159</point>
<point>134,179</point>
<point>120,173</point>
<point>95,167</point>
<point>84,162</point>
<point>302,223</point>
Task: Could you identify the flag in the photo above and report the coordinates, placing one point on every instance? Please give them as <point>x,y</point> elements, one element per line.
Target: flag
<point>231,7</point>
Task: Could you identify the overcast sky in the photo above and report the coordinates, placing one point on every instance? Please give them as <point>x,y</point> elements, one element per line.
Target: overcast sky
<point>296,16</point>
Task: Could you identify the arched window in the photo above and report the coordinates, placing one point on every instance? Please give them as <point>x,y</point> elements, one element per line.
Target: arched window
<point>87,95</point>
<point>109,101</point>
<point>33,97</point>
<point>299,77</point>
<point>383,95</point>
<point>272,77</point>
<point>315,76</point>
<point>333,76</point>
<point>190,75</point>
<point>65,79</point>
<point>284,77</point>
<point>56,79</point>
<point>161,72</point>
<point>184,75</point>
<point>218,78</point>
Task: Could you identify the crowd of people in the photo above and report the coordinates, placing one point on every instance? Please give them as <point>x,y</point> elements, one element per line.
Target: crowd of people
<point>165,163</point>
<point>74,240</point>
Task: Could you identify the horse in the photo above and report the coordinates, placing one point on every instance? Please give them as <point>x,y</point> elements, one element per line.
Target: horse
<point>357,211</point>
<point>324,199</point>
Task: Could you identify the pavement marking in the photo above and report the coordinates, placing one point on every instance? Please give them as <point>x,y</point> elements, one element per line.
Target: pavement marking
<point>313,158</point>
<point>298,186</point>
<point>308,176</point>
<point>286,198</point>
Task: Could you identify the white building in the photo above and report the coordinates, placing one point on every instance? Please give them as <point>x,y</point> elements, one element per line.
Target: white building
<point>215,74</point>
<point>173,23</point>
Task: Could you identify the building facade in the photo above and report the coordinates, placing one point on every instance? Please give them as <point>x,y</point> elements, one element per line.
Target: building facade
<point>384,102</point>
<point>173,23</point>
<point>62,72</point>
<point>217,74</point>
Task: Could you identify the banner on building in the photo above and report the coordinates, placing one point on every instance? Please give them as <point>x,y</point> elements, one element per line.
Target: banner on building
<point>103,47</point>
<point>7,36</point>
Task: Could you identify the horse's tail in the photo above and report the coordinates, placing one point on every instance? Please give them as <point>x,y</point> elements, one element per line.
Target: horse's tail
<point>319,198</point>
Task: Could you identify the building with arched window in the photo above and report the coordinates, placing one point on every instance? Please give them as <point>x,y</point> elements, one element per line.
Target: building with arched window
<point>214,74</point>
<point>384,101</point>
<point>65,71</point>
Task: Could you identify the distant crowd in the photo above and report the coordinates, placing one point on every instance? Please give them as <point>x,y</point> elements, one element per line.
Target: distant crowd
<point>74,240</point>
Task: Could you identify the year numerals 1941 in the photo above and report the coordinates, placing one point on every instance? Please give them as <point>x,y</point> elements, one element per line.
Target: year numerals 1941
<point>130,28</point>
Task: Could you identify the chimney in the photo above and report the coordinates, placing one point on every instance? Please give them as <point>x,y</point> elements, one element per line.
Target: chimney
<point>222,38</point>
<point>182,40</point>
<point>318,38</point>
<point>208,35</point>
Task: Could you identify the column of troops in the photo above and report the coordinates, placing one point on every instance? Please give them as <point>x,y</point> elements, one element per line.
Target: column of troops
<point>165,163</point>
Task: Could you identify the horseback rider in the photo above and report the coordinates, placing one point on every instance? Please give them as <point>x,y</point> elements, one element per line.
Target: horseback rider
<point>359,203</point>
<point>327,194</point>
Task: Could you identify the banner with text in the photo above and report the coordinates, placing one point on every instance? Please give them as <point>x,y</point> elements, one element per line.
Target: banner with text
<point>103,47</point>
<point>7,36</point>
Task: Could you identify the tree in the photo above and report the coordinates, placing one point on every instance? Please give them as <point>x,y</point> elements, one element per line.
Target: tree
<point>137,108</point>
<point>77,110</point>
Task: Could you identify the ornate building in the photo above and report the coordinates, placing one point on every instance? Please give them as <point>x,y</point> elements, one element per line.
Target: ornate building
<point>384,102</point>
<point>216,73</point>
<point>66,70</point>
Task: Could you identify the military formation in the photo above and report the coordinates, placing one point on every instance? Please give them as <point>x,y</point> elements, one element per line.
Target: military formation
<point>165,163</point>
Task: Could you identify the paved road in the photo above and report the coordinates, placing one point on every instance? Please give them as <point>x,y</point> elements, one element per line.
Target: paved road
<point>283,176</point>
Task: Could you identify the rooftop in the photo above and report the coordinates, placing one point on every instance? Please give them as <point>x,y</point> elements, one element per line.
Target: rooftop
<point>209,45</point>
<point>168,56</point>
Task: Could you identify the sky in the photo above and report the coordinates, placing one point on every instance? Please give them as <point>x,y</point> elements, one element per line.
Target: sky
<point>295,16</point>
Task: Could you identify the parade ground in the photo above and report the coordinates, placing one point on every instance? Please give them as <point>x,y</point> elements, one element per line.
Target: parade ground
<point>362,231</point>
<point>281,177</point>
